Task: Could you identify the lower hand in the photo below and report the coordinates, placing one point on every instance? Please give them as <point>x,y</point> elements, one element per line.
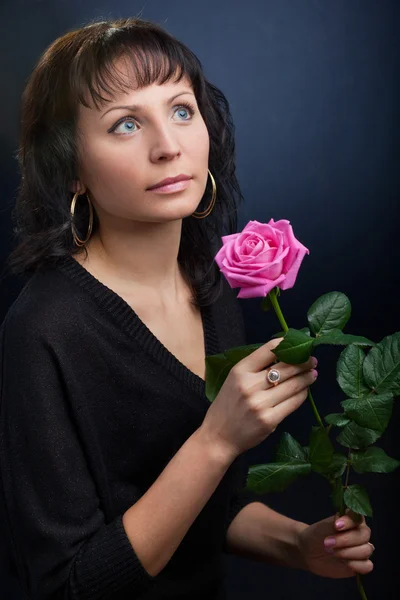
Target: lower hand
<point>350,553</point>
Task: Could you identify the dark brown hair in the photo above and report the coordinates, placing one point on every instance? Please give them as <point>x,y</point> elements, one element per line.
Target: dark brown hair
<point>81,63</point>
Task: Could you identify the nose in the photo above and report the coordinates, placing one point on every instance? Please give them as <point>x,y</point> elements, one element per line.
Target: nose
<point>165,143</point>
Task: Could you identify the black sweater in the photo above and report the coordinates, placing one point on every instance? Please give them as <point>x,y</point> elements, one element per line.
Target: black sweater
<point>93,407</point>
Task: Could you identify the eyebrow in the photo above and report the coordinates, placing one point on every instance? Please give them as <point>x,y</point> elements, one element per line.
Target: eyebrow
<point>138,108</point>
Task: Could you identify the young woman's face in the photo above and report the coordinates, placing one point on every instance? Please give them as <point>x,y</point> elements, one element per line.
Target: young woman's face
<point>124,151</point>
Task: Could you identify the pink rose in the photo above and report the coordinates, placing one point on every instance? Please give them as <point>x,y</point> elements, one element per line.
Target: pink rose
<point>261,257</point>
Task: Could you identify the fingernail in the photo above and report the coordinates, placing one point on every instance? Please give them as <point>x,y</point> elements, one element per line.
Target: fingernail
<point>315,373</point>
<point>340,524</point>
<point>329,542</point>
<point>314,361</point>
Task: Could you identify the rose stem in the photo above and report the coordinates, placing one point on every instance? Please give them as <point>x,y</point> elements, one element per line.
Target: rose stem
<point>275,304</point>
<point>274,301</point>
<point>360,586</point>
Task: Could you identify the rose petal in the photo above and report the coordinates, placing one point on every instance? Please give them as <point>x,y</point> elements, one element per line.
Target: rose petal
<point>259,291</point>
<point>290,241</point>
<point>292,274</point>
<point>254,271</point>
<point>262,256</point>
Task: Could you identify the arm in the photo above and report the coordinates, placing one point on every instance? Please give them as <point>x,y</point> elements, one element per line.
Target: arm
<point>261,534</point>
<point>159,520</point>
<point>62,544</point>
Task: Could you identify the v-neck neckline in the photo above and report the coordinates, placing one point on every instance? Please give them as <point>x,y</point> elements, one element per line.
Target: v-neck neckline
<point>132,325</point>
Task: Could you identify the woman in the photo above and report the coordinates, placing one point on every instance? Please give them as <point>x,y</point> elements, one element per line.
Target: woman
<point>119,479</point>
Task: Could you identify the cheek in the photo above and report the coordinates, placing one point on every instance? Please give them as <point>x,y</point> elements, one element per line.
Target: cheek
<point>109,168</point>
<point>109,159</point>
<point>200,145</point>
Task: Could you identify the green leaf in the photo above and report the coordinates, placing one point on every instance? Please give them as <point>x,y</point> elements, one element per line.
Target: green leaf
<point>330,311</point>
<point>274,477</point>
<point>234,355</point>
<point>337,466</point>
<point>321,450</point>
<point>336,337</point>
<point>278,334</point>
<point>295,348</point>
<point>356,498</point>
<point>354,436</point>
<point>283,333</point>
<point>372,411</point>
<point>373,460</point>
<point>219,365</point>
<point>382,366</point>
<point>337,494</point>
<point>289,449</point>
<point>337,419</point>
<point>349,372</point>
<point>306,331</point>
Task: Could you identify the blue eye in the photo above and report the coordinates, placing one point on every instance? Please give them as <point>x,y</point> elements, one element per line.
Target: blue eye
<point>126,121</point>
<point>183,108</point>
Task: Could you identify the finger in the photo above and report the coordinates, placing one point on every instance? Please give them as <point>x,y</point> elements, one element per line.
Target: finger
<point>361,566</point>
<point>285,390</point>
<point>352,537</point>
<point>349,520</point>
<point>286,371</point>
<point>355,517</point>
<point>260,358</point>
<point>280,411</point>
<point>362,552</point>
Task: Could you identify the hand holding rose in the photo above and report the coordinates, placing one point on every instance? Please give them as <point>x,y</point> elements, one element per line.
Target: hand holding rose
<point>261,260</point>
<point>337,547</point>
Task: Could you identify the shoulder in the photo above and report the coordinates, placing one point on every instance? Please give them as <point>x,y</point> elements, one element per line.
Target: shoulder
<point>47,305</point>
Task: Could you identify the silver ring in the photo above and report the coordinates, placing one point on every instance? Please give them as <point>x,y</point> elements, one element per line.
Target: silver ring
<point>273,376</point>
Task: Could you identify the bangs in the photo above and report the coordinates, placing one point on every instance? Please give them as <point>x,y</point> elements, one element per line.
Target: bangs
<point>148,57</point>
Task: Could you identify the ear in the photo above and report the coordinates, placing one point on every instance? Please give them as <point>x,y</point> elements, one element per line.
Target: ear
<point>77,186</point>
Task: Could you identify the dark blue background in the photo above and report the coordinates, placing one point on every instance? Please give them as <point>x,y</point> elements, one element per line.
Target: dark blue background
<point>313,88</point>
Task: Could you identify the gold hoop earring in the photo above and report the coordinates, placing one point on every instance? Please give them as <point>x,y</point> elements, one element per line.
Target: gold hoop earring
<point>78,241</point>
<point>205,213</point>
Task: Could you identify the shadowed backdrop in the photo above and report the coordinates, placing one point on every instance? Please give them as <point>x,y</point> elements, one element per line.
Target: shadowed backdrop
<point>313,89</point>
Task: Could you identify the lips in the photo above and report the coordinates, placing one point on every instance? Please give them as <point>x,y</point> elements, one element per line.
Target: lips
<point>169,180</point>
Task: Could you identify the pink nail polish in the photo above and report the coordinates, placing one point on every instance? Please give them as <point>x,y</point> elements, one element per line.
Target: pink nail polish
<point>315,373</point>
<point>314,361</point>
<point>339,524</point>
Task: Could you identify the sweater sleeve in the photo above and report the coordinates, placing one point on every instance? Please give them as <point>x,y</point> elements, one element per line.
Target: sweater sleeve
<point>239,499</point>
<point>58,538</point>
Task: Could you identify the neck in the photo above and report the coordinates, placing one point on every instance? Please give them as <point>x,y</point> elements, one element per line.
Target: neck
<point>143,261</point>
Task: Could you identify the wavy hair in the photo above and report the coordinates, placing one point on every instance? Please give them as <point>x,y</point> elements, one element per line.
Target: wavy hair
<point>78,65</point>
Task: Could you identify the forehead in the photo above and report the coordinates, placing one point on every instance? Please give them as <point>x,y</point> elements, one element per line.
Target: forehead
<point>121,84</point>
